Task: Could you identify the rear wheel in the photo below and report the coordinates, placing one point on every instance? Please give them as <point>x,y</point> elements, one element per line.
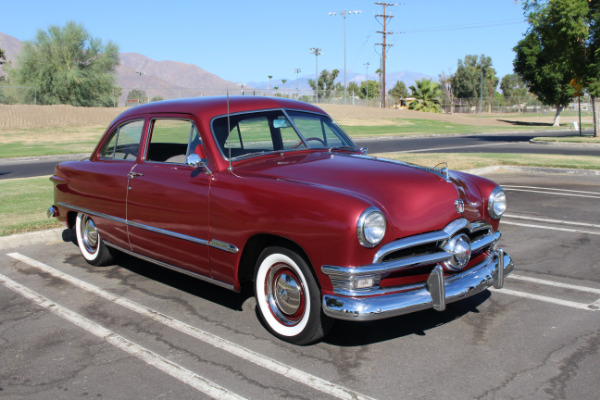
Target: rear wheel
<point>288,298</point>
<point>92,248</point>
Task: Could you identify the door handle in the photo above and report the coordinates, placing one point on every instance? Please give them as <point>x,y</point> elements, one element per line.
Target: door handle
<point>134,174</point>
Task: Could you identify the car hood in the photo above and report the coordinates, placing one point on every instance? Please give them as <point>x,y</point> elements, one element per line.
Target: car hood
<point>415,199</point>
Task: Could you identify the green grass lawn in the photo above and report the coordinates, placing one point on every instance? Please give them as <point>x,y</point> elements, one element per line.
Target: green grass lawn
<point>24,204</point>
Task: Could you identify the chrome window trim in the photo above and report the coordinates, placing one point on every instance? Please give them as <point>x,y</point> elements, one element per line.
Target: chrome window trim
<point>149,138</point>
<point>117,132</point>
<point>214,243</point>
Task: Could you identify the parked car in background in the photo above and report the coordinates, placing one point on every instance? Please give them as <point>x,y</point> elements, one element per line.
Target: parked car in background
<point>271,192</point>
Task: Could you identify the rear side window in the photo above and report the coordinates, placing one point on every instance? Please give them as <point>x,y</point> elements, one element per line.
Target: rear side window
<point>172,140</point>
<point>124,143</point>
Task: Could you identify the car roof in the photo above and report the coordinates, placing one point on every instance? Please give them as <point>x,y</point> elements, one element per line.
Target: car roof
<point>219,105</point>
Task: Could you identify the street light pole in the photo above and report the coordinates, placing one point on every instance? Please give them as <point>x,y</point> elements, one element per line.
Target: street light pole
<point>367,81</point>
<point>343,14</point>
<point>317,52</point>
<point>297,71</point>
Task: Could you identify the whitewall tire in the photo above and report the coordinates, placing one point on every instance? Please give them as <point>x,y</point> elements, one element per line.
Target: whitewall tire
<point>288,298</point>
<point>92,248</point>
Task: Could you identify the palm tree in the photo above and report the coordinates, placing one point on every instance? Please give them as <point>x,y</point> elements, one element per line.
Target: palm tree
<point>427,94</point>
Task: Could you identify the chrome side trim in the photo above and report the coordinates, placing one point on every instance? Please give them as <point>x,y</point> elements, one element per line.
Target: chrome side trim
<point>217,244</point>
<point>228,247</point>
<point>174,268</point>
<point>94,213</point>
<point>167,233</point>
<point>438,292</point>
<point>441,172</point>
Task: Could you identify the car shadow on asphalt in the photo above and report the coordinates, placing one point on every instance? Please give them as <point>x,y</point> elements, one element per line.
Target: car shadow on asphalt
<point>351,334</point>
<point>176,280</point>
<point>343,333</point>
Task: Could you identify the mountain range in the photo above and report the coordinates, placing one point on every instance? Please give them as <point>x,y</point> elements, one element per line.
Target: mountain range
<point>171,79</point>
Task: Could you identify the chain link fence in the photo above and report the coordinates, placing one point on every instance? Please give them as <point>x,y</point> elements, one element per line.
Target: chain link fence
<point>140,95</point>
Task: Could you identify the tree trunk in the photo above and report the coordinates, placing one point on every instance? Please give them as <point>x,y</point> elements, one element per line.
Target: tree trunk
<point>559,109</point>
<point>596,112</point>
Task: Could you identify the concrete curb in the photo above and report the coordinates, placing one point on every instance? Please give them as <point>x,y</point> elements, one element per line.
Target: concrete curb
<point>566,144</point>
<point>31,238</point>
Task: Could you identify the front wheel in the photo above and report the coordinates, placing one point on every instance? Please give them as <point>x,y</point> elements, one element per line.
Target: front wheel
<point>90,244</point>
<point>288,298</point>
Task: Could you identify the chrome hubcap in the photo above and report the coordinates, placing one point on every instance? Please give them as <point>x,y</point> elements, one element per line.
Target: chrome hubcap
<point>90,234</point>
<point>288,293</point>
<point>285,295</point>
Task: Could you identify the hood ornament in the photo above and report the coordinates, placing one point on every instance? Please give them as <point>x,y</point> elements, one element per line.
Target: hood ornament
<point>460,206</point>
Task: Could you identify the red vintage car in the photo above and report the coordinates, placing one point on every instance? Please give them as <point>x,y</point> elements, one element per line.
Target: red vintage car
<point>272,193</point>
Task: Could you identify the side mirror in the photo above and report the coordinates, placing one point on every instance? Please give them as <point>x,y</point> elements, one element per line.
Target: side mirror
<point>194,160</point>
<point>364,150</point>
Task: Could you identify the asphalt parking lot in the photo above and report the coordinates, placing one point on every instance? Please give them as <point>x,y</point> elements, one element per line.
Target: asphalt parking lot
<point>134,330</point>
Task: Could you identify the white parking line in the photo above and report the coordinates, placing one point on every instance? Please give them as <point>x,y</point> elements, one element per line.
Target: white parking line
<point>552,189</point>
<point>551,300</point>
<point>555,284</point>
<point>216,341</point>
<point>165,365</point>
<point>550,228</point>
<point>551,221</point>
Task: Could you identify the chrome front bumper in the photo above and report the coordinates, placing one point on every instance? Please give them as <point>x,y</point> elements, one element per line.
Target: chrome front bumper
<point>436,293</point>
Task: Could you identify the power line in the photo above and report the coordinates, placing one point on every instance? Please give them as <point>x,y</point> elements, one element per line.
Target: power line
<point>463,27</point>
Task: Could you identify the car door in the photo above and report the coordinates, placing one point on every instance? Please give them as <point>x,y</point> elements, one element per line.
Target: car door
<point>103,181</point>
<point>167,201</point>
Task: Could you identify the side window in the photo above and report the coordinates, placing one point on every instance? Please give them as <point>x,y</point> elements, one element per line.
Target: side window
<point>170,139</point>
<point>124,143</point>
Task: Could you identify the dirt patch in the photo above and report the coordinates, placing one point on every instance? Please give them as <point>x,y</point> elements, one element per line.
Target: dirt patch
<point>29,116</point>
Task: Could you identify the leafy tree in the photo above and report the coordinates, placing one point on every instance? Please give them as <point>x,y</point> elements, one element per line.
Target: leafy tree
<point>2,56</point>
<point>68,66</point>
<point>514,89</point>
<point>553,50</point>
<point>369,89</point>
<point>353,89</point>
<point>399,91</point>
<point>325,84</point>
<point>136,94</point>
<point>474,78</point>
<point>427,94</point>
<point>157,98</point>
<point>590,73</point>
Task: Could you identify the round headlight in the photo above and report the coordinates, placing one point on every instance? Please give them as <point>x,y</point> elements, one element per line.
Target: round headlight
<point>497,203</point>
<point>371,227</point>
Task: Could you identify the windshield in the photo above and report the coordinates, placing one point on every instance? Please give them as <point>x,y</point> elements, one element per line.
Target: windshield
<point>249,134</point>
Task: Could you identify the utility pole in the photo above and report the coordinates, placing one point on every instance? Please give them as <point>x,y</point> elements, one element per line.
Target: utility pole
<point>384,45</point>
<point>317,52</point>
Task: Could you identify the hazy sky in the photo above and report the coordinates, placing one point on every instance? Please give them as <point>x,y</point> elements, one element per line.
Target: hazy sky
<point>245,41</point>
